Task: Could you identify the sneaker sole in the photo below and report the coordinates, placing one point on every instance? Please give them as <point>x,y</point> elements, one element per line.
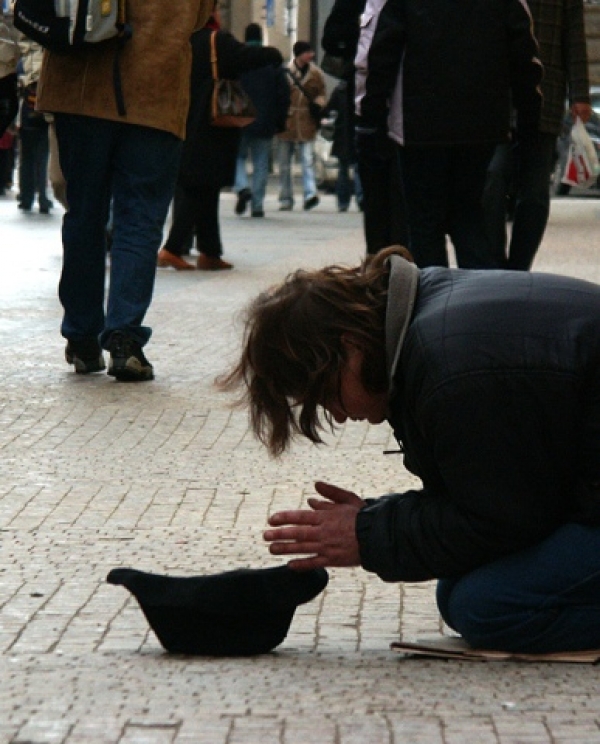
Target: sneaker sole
<point>130,370</point>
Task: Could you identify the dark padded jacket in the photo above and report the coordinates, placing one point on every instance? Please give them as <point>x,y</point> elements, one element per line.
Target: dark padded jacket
<point>497,405</point>
<point>446,71</point>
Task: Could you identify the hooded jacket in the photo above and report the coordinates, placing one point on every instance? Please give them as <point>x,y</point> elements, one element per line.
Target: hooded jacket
<point>495,399</point>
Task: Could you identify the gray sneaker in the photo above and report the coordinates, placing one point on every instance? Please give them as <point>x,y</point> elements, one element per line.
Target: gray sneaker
<point>127,360</point>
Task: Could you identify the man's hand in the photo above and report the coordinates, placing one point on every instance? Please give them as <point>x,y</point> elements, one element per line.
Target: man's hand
<point>581,110</point>
<point>327,534</point>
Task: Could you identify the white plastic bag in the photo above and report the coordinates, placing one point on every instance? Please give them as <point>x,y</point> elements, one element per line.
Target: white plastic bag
<point>582,167</point>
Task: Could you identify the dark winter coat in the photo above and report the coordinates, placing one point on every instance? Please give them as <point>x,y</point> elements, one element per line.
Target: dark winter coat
<point>497,406</point>
<point>209,153</point>
<point>340,105</point>
<point>445,72</point>
<point>270,93</point>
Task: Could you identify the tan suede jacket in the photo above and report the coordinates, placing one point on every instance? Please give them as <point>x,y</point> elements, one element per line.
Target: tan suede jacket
<point>155,69</point>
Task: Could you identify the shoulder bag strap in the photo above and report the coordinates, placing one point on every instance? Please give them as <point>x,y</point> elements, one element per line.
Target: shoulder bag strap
<point>213,56</point>
<point>299,85</point>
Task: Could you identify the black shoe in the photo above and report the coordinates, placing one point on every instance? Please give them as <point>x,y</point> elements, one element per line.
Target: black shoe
<point>286,206</point>
<point>258,213</point>
<point>311,202</point>
<point>244,197</point>
<point>85,355</point>
<point>127,361</point>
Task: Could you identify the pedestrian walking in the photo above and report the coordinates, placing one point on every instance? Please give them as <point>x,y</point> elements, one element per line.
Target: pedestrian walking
<point>527,162</point>
<point>125,154</point>
<point>490,381</point>
<point>209,154</point>
<point>268,89</point>
<point>438,79</point>
<point>307,91</point>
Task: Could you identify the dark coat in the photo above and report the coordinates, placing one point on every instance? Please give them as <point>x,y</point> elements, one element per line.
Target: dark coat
<point>445,72</point>
<point>209,153</point>
<point>340,102</point>
<point>559,29</point>
<point>270,93</point>
<point>498,409</point>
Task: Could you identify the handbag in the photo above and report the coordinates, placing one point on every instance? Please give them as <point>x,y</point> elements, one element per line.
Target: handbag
<point>230,105</point>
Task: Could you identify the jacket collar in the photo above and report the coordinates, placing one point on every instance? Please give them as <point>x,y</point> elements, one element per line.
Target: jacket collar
<point>402,292</point>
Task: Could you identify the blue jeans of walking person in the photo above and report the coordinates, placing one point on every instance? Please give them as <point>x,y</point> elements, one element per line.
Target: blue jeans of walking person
<point>307,158</point>
<point>544,599</point>
<point>259,150</point>
<point>136,167</point>
<point>531,165</point>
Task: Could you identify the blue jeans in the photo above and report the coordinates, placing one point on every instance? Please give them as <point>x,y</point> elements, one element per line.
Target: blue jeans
<point>343,186</point>
<point>543,599</point>
<point>259,149</point>
<point>531,165</point>
<point>443,189</point>
<point>136,167</point>
<point>286,155</point>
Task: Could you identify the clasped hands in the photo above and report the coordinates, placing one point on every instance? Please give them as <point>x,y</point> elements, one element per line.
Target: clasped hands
<point>326,532</point>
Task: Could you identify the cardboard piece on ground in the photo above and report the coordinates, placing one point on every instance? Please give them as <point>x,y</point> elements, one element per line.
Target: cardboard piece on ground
<point>456,648</point>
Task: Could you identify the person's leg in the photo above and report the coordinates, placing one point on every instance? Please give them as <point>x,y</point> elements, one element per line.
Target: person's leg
<point>88,173</point>
<point>495,199</point>
<point>309,183</point>
<point>342,186</point>
<point>425,175</point>
<point>285,156</point>
<point>383,201</point>
<point>181,232</point>
<point>358,190</point>
<point>26,168</point>
<point>208,232</point>
<point>260,149</point>
<point>541,600</point>
<point>534,166</point>
<point>144,167</point>
<point>241,174</point>
<point>41,175</point>
<point>466,224</point>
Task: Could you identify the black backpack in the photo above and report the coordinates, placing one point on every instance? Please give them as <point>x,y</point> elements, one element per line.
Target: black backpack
<point>64,26</point>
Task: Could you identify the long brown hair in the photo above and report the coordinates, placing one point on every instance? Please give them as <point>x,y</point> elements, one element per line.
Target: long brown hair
<point>293,352</point>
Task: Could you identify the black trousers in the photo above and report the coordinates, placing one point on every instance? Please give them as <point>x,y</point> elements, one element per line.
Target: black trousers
<point>196,212</point>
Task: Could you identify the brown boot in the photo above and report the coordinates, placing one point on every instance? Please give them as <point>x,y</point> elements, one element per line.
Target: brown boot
<point>165,258</point>
<point>210,263</point>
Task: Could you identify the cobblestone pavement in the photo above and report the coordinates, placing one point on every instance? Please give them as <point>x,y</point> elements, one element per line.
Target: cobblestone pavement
<point>164,477</point>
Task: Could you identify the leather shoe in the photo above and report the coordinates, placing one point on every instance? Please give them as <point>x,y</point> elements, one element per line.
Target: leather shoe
<point>166,258</point>
<point>210,263</point>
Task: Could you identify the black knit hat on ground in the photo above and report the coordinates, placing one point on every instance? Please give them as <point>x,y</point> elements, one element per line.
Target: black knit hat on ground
<point>300,47</point>
<point>236,613</point>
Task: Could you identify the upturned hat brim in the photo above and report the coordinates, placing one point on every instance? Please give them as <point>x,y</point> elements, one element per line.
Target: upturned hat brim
<point>236,613</point>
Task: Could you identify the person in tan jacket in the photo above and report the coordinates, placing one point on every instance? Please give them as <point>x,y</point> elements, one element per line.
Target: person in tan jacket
<point>119,145</point>
<point>307,91</point>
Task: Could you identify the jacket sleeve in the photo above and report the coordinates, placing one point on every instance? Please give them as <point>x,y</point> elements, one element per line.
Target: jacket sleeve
<point>282,99</point>
<point>341,30</point>
<point>235,57</point>
<point>525,69</point>
<point>498,478</point>
<point>381,47</point>
<point>576,62</point>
